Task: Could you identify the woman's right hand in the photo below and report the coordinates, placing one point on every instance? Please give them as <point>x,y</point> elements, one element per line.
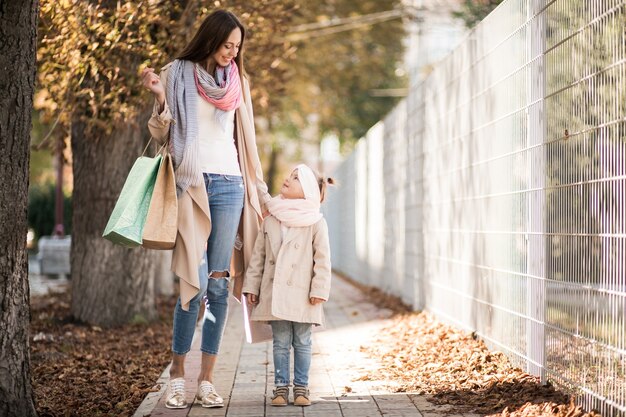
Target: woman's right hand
<point>252,298</point>
<point>153,83</point>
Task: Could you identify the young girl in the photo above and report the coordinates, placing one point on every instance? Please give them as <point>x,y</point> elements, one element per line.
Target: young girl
<point>288,277</point>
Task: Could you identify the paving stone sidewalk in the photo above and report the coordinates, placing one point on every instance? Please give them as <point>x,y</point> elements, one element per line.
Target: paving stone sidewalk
<point>244,373</point>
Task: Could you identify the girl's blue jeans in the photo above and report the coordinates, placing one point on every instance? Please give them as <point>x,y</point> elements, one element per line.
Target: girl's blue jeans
<point>226,198</point>
<point>288,334</point>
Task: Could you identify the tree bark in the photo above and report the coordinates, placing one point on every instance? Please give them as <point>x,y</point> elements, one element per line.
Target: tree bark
<point>164,281</point>
<point>272,168</point>
<point>18,32</point>
<point>111,285</point>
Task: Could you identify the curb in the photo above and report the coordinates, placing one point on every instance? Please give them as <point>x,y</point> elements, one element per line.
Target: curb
<point>152,398</point>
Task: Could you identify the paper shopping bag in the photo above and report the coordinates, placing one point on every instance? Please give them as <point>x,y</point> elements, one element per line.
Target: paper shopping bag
<point>125,226</point>
<point>161,228</point>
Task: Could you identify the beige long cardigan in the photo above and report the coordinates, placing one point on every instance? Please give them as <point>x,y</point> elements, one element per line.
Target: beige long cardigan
<point>286,272</point>
<point>194,217</point>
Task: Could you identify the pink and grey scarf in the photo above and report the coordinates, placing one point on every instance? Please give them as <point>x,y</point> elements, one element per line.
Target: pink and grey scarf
<point>223,90</point>
<point>186,82</point>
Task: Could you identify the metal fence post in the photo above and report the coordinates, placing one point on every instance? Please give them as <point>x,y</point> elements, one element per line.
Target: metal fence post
<point>536,237</point>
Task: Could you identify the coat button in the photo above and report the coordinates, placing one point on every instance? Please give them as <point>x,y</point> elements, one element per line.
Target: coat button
<point>297,245</point>
<point>271,262</point>
<point>289,282</point>
<point>293,265</point>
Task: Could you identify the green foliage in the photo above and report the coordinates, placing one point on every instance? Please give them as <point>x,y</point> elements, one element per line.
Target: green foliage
<point>41,202</point>
<point>473,11</point>
<point>40,167</point>
<point>267,54</point>
<point>139,319</point>
<point>85,59</point>
<point>90,54</point>
<point>333,75</point>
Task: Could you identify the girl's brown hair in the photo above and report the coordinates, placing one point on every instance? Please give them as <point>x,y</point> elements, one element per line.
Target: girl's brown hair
<point>323,183</point>
<point>211,35</point>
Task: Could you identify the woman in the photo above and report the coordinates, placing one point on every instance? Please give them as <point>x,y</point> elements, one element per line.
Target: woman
<point>203,107</point>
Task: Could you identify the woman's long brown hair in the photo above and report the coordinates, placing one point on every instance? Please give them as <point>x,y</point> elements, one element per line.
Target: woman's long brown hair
<point>211,35</point>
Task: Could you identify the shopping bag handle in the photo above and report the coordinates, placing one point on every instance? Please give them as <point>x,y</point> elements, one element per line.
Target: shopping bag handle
<point>160,149</point>
<point>146,148</point>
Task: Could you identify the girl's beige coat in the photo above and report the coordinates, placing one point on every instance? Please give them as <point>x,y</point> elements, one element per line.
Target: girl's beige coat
<point>286,273</point>
<point>194,218</point>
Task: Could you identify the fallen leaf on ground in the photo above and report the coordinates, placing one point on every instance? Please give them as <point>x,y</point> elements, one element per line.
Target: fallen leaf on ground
<point>81,370</point>
<point>419,354</point>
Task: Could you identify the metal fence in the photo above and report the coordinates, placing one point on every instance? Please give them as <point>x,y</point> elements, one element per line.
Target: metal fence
<point>495,195</point>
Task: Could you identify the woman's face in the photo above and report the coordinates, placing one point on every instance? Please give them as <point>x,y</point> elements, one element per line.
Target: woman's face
<point>291,187</point>
<point>229,49</point>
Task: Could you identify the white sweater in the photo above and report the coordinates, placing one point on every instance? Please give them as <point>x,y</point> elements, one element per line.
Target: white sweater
<point>217,150</point>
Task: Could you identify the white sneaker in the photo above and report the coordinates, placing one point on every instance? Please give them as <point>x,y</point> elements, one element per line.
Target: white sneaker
<point>176,397</point>
<point>207,396</point>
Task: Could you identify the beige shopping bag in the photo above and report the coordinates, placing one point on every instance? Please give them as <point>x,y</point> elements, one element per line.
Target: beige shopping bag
<point>161,224</point>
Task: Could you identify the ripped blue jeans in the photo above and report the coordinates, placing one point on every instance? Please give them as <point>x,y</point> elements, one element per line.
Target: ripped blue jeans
<point>226,198</point>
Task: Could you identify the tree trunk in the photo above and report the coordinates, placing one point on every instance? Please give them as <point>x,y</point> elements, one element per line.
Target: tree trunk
<point>164,281</point>
<point>111,285</point>
<point>18,31</point>
<point>272,169</point>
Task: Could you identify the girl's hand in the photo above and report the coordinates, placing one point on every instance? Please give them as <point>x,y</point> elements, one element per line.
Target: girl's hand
<point>152,82</point>
<point>252,298</point>
<point>315,301</point>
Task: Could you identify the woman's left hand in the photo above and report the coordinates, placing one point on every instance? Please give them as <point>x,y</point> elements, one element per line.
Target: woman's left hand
<point>315,301</point>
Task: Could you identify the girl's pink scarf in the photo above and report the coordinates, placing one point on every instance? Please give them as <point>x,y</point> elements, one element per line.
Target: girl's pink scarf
<point>223,90</point>
<point>295,212</point>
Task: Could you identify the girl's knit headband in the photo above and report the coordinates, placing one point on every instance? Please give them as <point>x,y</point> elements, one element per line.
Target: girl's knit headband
<point>309,183</point>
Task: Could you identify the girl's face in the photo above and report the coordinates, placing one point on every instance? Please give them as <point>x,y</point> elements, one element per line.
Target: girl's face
<point>291,187</point>
<point>229,49</point>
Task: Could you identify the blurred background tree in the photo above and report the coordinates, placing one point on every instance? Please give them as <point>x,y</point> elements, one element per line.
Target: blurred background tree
<point>473,11</point>
<point>88,91</point>
<point>306,83</point>
<point>334,73</point>
<point>90,55</point>
<point>41,201</point>
<point>346,58</point>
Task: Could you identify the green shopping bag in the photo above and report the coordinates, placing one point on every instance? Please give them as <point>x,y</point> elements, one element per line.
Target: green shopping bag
<point>125,226</point>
